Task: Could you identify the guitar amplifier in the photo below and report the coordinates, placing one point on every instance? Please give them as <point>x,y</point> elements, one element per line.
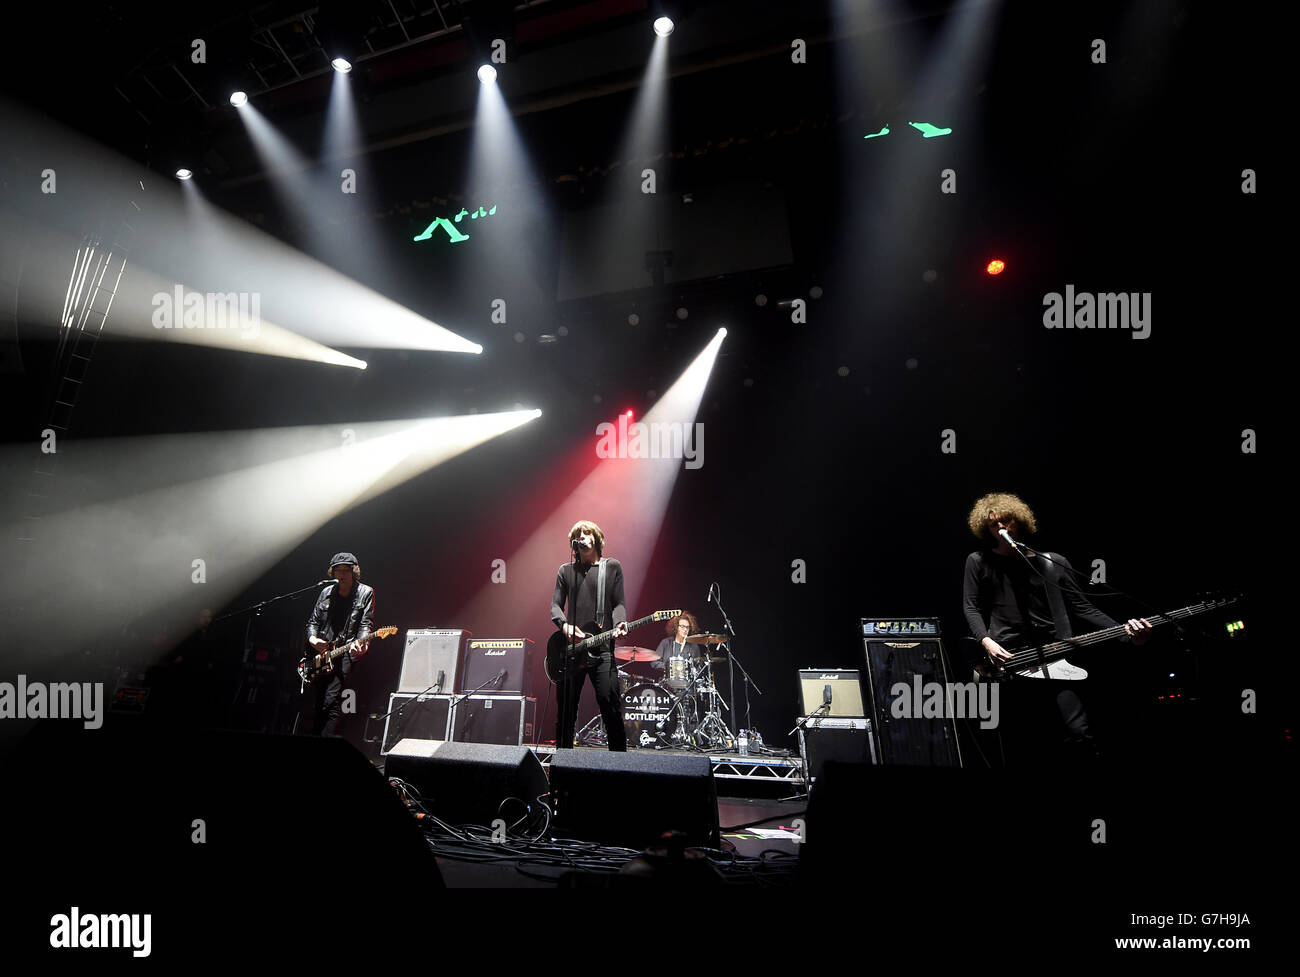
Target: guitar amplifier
<point>425,717</point>
<point>429,652</point>
<point>907,651</point>
<point>506,720</point>
<point>484,660</point>
<point>846,691</point>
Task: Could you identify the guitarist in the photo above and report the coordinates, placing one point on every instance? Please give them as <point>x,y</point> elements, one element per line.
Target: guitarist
<point>576,588</point>
<point>1014,601</point>
<point>344,610</point>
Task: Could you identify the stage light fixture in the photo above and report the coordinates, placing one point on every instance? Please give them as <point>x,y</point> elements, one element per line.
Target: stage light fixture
<point>341,65</point>
<point>238,98</point>
<point>183,174</point>
<point>487,74</point>
<point>663,26</point>
<point>996,266</point>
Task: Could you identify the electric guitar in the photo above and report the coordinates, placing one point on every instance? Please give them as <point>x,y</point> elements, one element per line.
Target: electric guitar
<point>310,668</point>
<point>559,647</point>
<point>1048,661</point>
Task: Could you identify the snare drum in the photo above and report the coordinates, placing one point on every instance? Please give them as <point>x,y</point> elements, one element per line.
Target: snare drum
<point>678,673</point>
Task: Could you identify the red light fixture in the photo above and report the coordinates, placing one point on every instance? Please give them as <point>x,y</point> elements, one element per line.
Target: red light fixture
<point>996,266</point>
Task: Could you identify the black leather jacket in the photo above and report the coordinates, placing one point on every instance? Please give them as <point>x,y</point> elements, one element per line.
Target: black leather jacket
<point>360,619</point>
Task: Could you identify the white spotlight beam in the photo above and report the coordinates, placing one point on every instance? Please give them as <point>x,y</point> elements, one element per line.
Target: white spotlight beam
<point>135,553</point>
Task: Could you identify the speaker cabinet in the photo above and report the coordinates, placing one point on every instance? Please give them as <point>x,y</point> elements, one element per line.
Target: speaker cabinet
<point>419,718</point>
<point>465,783</point>
<point>904,658</point>
<point>506,720</point>
<point>630,799</point>
<point>429,652</point>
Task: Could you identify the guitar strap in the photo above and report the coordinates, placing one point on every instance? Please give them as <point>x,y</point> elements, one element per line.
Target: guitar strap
<point>1056,600</point>
<point>600,594</point>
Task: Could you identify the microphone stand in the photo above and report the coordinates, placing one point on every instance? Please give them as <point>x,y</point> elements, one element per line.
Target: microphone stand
<point>458,699</point>
<point>803,750</point>
<point>568,659</point>
<point>402,708</point>
<point>732,664</point>
<point>256,611</point>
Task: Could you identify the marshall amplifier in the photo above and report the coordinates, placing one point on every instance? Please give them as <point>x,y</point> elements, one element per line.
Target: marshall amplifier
<point>426,717</point>
<point>506,720</point>
<point>905,658</point>
<point>845,691</point>
<point>430,653</point>
<point>484,661</point>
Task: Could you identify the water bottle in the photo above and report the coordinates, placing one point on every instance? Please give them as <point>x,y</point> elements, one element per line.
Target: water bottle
<point>744,743</point>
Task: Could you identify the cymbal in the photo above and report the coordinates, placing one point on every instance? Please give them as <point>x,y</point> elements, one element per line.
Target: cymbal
<point>631,653</point>
<point>706,639</point>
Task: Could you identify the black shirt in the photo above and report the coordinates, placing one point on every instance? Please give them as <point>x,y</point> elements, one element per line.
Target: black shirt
<point>1003,598</point>
<point>585,595</point>
<point>668,648</point>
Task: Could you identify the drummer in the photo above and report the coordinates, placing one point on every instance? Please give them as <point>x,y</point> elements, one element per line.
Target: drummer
<point>676,645</point>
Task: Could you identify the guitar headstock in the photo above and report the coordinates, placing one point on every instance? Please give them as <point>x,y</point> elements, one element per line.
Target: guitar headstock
<point>387,632</point>
<point>666,615</point>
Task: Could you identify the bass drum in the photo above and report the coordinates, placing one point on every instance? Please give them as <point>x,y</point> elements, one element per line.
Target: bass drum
<point>645,706</point>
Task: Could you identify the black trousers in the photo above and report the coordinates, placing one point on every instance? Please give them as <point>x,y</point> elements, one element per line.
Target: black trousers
<point>604,679</point>
<point>328,691</point>
<point>1046,722</point>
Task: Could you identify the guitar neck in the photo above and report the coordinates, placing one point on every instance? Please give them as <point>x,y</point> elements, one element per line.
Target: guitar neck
<point>1058,648</point>
<point>600,639</point>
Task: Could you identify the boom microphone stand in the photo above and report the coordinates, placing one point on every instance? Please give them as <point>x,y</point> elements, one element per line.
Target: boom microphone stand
<point>733,662</point>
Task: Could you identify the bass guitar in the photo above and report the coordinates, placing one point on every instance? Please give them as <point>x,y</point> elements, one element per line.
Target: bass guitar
<point>559,648</point>
<point>1048,660</point>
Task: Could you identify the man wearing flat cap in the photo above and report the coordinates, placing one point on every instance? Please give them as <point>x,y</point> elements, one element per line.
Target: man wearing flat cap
<point>345,610</point>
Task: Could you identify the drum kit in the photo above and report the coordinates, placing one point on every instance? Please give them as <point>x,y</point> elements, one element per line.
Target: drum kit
<point>680,710</point>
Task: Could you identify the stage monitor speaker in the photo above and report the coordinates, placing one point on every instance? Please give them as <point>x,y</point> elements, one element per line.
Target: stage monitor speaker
<point>630,799</point>
<point>419,718</point>
<point>465,783</point>
<point>428,653</point>
<point>904,652</point>
<point>846,691</point>
<point>150,810</point>
<point>484,660</point>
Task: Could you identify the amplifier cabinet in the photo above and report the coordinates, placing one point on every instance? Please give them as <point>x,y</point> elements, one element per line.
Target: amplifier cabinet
<point>846,691</point>
<point>505,720</point>
<point>430,652</point>
<point>429,718</point>
<point>486,659</point>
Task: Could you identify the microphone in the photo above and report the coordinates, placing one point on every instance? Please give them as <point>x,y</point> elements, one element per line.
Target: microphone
<point>442,675</point>
<point>326,582</point>
<point>826,695</point>
<point>709,599</point>
<point>500,675</point>
<point>1007,536</point>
